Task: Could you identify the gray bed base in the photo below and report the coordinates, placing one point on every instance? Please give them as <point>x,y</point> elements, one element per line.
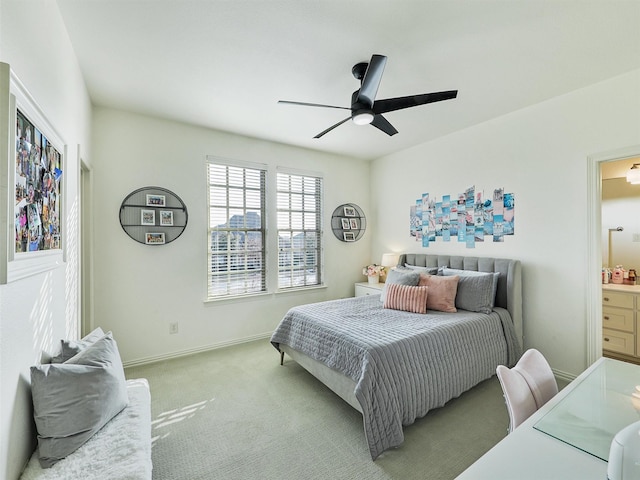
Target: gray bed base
<point>508,295</point>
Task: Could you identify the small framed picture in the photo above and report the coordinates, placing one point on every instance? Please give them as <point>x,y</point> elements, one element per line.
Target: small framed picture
<point>156,200</point>
<point>147,217</point>
<point>349,212</point>
<point>154,238</point>
<point>353,223</point>
<point>345,224</point>
<point>166,217</point>
<point>349,236</point>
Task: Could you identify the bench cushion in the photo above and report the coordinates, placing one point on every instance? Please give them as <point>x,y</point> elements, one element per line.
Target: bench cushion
<point>120,450</point>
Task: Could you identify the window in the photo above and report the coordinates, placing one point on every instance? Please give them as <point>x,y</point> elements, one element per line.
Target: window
<point>299,200</point>
<point>236,260</point>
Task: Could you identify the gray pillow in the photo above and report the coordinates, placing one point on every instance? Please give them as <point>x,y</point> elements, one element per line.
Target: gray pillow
<point>429,270</point>
<point>75,399</point>
<point>69,348</point>
<point>476,290</point>
<point>410,278</point>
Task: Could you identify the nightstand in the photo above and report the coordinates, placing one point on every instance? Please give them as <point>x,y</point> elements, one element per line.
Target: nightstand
<point>366,288</point>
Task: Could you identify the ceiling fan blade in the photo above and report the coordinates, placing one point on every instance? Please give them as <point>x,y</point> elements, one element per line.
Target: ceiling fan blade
<point>392,104</point>
<point>332,127</point>
<point>383,124</point>
<point>311,104</point>
<point>371,79</point>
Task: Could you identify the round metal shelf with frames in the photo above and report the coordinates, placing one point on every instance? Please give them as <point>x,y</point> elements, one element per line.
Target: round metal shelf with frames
<point>348,222</point>
<point>153,215</point>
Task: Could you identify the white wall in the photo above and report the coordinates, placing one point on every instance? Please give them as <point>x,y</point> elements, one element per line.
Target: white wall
<point>540,154</point>
<point>139,290</point>
<point>36,312</point>
<point>621,208</point>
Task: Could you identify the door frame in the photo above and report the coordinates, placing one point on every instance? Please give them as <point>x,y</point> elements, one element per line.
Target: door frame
<point>594,245</point>
<point>86,249</point>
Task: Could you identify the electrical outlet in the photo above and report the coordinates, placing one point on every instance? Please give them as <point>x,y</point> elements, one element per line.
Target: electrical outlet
<point>173,327</point>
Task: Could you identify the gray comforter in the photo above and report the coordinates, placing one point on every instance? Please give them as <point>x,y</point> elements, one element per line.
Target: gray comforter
<point>404,364</point>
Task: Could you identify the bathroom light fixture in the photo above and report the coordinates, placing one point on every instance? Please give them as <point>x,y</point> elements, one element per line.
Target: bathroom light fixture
<point>633,175</point>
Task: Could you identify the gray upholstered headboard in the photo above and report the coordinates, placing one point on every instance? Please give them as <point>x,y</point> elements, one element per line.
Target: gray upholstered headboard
<point>509,293</point>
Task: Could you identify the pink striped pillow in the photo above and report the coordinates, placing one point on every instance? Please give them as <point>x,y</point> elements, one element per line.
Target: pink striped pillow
<point>406,298</point>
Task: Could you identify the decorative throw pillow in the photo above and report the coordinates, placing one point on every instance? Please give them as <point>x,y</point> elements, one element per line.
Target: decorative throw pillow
<point>429,270</point>
<point>75,399</point>
<point>406,298</point>
<point>401,278</point>
<point>476,290</point>
<point>69,348</point>
<point>442,292</point>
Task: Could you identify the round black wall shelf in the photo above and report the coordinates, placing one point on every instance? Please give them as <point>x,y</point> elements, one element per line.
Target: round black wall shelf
<point>153,215</point>
<point>348,222</point>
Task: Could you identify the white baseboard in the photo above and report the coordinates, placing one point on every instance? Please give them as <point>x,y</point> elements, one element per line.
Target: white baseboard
<point>564,375</point>
<point>191,351</point>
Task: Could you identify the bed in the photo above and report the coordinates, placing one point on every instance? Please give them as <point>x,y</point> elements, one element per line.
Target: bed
<point>394,366</point>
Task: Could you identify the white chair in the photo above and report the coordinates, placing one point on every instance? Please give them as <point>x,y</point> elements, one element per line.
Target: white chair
<point>527,386</point>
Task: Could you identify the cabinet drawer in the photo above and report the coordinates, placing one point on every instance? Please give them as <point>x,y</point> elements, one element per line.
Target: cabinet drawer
<point>619,342</point>
<point>362,290</point>
<point>617,299</point>
<point>618,319</point>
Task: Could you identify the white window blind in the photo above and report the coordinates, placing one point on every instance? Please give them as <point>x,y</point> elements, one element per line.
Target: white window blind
<point>299,205</point>
<point>236,258</point>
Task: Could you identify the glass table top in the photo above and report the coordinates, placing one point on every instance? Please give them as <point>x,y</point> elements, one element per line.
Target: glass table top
<point>596,409</point>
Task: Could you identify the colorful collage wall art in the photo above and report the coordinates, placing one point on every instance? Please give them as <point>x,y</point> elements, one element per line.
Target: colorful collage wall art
<point>469,217</point>
<point>37,190</point>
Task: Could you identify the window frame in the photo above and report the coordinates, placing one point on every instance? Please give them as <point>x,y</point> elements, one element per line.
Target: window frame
<point>318,215</point>
<point>270,241</point>
<point>231,254</point>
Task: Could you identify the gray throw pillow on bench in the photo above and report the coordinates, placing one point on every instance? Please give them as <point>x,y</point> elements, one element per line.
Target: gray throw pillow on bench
<point>75,399</point>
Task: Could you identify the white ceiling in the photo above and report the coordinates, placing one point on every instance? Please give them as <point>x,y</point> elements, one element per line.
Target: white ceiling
<point>224,64</point>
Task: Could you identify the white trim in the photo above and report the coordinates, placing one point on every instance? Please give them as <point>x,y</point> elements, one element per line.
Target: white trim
<point>562,375</point>
<point>6,146</point>
<point>594,246</point>
<point>192,351</point>
<point>296,171</point>
<point>235,163</point>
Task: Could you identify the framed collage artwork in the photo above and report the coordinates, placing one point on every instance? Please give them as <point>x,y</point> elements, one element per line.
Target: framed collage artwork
<point>32,215</point>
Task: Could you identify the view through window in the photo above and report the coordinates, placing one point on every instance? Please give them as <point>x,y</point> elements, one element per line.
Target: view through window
<point>299,230</point>
<point>237,235</point>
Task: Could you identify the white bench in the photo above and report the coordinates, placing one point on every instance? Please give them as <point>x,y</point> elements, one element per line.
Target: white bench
<point>120,450</point>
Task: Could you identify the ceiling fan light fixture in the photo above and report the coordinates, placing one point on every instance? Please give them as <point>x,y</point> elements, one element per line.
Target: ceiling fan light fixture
<point>362,118</point>
<point>633,175</point>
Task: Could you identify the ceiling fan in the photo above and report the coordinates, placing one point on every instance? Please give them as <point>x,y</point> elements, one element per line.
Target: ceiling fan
<point>365,109</point>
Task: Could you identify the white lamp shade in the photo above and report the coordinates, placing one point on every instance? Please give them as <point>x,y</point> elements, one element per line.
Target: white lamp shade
<point>389,259</point>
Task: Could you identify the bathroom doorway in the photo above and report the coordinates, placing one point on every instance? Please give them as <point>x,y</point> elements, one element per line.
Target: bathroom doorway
<point>620,240</point>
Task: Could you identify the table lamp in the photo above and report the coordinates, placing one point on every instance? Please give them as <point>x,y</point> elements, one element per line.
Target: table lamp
<point>389,260</point>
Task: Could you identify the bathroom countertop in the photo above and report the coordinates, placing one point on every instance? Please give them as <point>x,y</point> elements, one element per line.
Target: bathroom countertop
<point>621,288</point>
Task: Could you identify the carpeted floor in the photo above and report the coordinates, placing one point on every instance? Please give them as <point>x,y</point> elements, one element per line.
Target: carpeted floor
<point>236,414</point>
